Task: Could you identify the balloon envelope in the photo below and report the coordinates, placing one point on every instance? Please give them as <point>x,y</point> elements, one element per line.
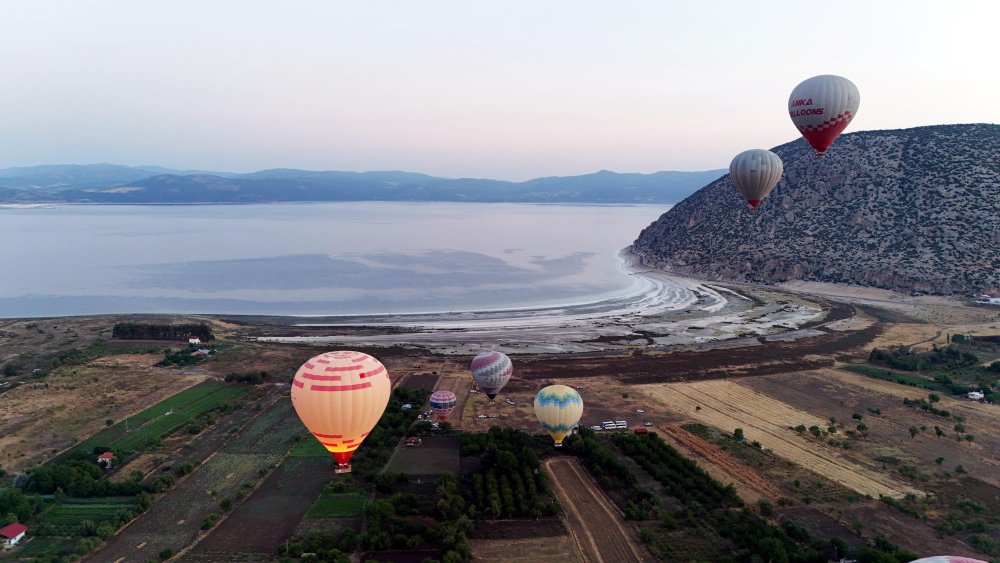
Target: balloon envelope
<point>755,173</point>
<point>442,403</point>
<point>340,397</point>
<point>558,409</point>
<point>491,371</point>
<point>821,107</point>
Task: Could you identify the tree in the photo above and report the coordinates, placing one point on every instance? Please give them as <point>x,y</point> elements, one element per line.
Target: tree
<point>939,460</point>
<point>938,432</point>
<point>625,397</point>
<point>933,397</point>
<point>738,435</point>
<point>914,431</point>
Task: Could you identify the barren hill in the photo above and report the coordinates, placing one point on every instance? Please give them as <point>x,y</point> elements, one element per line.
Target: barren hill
<point>914,210</point>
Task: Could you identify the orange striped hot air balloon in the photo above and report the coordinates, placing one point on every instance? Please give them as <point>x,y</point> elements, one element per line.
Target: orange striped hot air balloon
<point>340,396</point>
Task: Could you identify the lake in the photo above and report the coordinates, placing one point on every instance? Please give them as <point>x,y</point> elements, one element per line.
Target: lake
<point>313,258</point>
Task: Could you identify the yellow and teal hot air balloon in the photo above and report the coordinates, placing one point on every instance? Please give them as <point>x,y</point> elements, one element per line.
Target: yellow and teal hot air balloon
<point>558,409</point>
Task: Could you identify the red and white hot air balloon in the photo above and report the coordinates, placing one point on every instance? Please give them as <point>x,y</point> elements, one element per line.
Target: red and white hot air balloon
<point>340,397</point>
<point>947,559</point>
<point>442,403</point>
<point>821,107</point>
<point>755,173</point>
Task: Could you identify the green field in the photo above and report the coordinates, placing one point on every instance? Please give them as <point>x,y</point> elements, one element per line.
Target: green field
<point>308,447</point>
<point>44,547</point>
<point>66,517</point>
<point>344,505</point>
<point>896,377</point>
<point>161,419</point>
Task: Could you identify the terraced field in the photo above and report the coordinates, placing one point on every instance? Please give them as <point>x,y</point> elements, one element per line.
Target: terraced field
<point>67,516</point>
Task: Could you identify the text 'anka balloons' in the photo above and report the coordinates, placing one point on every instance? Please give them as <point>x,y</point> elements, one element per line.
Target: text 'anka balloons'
<point>491,371</point>
<point>558,409</point>
<point>442,403</point>
<point>340,397</point>
<point>755,173</point>
<point>821,107</point>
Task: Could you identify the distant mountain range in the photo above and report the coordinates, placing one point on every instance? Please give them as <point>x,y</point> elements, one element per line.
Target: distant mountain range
<point>915,210</point>
<point>114,184</point>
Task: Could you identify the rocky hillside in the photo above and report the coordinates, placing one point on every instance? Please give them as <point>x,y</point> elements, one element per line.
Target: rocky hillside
<point>915,210</point>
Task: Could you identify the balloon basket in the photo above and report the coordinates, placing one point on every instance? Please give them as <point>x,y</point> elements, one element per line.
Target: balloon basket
<point>557,445</point>
<point>342,469</point>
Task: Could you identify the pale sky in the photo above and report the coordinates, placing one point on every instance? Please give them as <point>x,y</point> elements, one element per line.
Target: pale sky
<point>508,89</point>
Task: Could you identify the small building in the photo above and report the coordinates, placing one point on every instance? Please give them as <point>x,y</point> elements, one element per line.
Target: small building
<point>106,460</point>
<point>12,533</point>
<point>989,299</point>
<point>641,431</point>
<point>976,395</point>
<point>194,341</point>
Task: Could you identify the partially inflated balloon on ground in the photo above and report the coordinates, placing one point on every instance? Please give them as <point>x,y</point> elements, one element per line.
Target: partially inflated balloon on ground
<point>491,371</point>
<point>755,173</point>
<point>821,107</point>
<point>340,397</point>
<point>558,409</point>
<point>442,403</point>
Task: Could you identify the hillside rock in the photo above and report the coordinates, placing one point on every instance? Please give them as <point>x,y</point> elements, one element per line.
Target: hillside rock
<point>914,210</point>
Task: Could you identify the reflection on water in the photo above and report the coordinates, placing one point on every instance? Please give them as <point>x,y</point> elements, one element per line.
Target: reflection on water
<point>312,259</point>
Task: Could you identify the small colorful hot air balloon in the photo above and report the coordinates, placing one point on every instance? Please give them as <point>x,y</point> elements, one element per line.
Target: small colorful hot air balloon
<point>947,559</point>
<point>558,409</point>
<point>491,371</point>
<point>442,403</point>
<point>755,173</point>
<point>821,107</point>
<point>340,397</point>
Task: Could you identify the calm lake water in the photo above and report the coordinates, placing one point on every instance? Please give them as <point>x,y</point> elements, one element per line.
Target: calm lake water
<point>312,259</point>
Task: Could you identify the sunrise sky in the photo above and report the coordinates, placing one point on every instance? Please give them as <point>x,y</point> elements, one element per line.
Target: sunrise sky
<point>510,90</point>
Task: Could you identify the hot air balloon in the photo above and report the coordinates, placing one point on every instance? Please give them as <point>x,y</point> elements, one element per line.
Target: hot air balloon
<point>755,173</point>
<point>947,559</point>
<point>442,403</point>
<point>558,409</point>
<point>491,371</point>
<point>821,107</point>
<point>340,396</point>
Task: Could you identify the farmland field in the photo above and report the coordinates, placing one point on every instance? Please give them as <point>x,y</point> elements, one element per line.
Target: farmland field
<point>66,516</point>
<point>342,505</point>
<point>728,405</point>
<point>160,419</point>
<point>437,455</point>
<point>37,547</point>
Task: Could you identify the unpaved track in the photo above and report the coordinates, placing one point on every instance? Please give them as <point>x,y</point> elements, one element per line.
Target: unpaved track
<point>745,479</point>
<point>593,522</point>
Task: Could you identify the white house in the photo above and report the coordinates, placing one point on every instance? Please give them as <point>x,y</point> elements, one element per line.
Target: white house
<point>11,534</point>
<point>194,340</point>
<point>989,299</point>
<point>976,395</point>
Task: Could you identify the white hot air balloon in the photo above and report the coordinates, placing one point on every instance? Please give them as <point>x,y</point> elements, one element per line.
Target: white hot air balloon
<point>821,107</point>
<point>755,173</point>
<point>340,397</point>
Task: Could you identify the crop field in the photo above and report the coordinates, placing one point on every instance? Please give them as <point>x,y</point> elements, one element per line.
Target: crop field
<point>162,418</point>
<point>272,511</point>
<point>728,405</point>
<point>66,517</point>
<point>843,394</point>
<point>437,455</point>
<point>175,520</point>
<point>557,549</point>
<point>37,547</point>
<point>342,505</point>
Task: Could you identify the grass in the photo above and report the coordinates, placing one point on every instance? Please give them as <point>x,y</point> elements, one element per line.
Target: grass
<point>897,377</point>
<point>343,505</point>
<point>155,421</point>
<point>308,447</point>
<point>44,547</point>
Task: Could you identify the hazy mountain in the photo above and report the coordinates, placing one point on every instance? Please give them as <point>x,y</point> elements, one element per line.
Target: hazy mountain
<point>107,183</point>
<point>913,209</point>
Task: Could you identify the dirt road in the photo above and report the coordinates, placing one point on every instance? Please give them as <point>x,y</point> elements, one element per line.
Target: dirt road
<point>750,485</point>
<point>593,522</point>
